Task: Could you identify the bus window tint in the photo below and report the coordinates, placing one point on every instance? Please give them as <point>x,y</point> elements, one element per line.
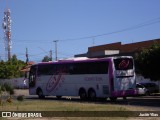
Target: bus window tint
<point>123,63</point>
<point>45,69</point>
<point>100,67</point>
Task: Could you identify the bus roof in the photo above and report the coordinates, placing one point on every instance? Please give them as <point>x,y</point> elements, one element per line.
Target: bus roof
<point>82,59</point>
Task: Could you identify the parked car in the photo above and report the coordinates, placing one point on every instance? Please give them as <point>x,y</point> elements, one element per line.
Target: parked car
<point>141,89</point>
<point>151,87</point>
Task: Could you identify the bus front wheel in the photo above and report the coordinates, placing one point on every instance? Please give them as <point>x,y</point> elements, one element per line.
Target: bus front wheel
<point>59,97</point>
<point>40,94</point>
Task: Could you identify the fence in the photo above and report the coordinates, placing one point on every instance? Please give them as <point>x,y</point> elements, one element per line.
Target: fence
<point>19,83</point>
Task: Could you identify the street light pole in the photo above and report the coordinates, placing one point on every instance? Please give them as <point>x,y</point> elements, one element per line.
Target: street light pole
<point>55,41</point>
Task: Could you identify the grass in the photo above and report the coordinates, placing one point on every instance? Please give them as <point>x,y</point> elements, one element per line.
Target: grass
<point>45,105</point>
<point>52,105</point>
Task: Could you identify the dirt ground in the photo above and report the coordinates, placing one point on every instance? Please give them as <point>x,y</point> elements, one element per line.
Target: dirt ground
<point>24,92</point>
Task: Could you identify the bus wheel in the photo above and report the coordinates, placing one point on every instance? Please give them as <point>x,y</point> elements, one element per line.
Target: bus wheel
<point>82,94</point>
<point>40,94</point>
<point>59,97</point>
<point>92,94</point>
<point>147,93</point>
<point>113,99</point>
<point>103,99</point>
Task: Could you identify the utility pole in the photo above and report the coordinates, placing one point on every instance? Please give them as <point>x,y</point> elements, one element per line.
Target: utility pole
<point>93,41</point>
<point>27,59</point>
<point>50,54</point>
<point>55,41</point>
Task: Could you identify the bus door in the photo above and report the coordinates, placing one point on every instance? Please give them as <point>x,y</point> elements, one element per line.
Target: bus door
<point>32,76</point>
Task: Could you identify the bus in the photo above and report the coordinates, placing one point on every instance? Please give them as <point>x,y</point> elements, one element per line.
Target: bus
<point>88,78</point>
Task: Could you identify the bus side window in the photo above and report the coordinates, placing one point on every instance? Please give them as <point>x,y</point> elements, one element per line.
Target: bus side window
<point>71,69</point>
<point>89,68</point>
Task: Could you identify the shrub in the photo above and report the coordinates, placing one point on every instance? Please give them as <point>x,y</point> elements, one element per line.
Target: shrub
<point>20,98</point>
<point>9,88</point>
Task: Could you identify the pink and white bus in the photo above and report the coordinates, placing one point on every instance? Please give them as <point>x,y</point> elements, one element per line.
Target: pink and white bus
<point>88,78</point>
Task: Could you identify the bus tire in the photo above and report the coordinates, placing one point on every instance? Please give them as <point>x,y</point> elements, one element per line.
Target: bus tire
<point>82,94</point>
<point>59,97</point>
<point>147,93</point>
<point>113,99</point>
<point>92,94</point>
<point>40,94</point>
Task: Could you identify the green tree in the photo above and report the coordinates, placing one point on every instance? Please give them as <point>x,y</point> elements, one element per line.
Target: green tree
<point>11,68</point>
<point>46,59</point>
<point>147,62</point>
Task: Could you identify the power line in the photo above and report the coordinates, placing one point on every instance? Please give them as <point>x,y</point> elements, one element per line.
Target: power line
<point>147,23</point>
<point>150,22</point>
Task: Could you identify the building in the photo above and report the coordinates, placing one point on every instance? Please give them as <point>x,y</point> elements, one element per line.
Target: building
<point>118,49</point>
<point>27,67</point>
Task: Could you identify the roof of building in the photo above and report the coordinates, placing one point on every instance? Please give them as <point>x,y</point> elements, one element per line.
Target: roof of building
<point>125,48</point>
<point>27,67</point>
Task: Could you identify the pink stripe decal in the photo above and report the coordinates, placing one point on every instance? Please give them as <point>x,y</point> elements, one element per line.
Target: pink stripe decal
<point>53,82</point>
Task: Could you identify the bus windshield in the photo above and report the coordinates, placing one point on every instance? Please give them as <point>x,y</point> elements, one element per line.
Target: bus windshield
<point>123,63</point>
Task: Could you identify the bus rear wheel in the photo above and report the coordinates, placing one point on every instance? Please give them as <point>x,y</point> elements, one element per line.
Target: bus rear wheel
<point>92,94</point>
<point>113,99</point>
<point>83,94</point>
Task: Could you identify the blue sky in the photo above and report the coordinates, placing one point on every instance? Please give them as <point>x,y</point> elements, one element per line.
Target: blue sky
<point>37,23</point>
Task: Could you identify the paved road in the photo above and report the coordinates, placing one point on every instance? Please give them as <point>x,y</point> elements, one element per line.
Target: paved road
<point>151,102</point>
